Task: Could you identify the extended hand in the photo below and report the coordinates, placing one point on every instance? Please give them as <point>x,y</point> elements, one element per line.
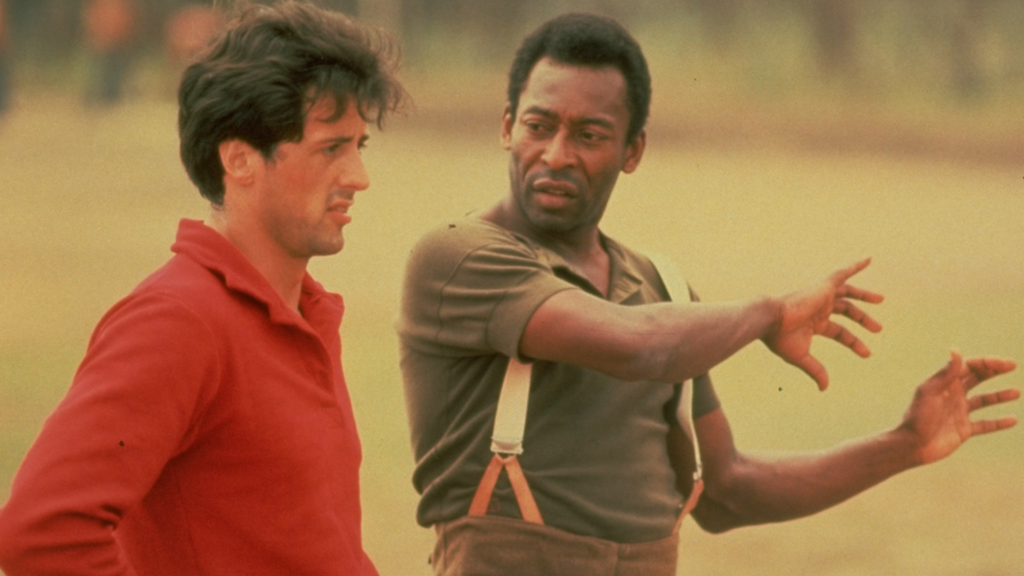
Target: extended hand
<point>808,313</point>
<point>939,416</point>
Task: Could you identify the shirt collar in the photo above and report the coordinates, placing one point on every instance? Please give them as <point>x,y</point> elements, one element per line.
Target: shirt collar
<point>625,279</point>
<point>210,249</point>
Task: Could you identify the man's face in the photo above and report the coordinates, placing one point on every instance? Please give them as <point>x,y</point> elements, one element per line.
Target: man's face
<point>568,145</point>
<point>308,186</point>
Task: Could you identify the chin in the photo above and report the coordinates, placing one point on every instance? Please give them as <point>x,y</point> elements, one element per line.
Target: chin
<point>551,223</point>
<point>327,248</point>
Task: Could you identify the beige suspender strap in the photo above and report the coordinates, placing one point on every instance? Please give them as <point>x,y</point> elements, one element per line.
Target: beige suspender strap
<point>510,419</point>
<point>676,285</point>
<point>507,440</point>
<point>684,413</point>
<point>510,423</point>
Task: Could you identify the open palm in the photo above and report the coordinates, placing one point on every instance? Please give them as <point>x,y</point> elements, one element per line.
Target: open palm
<point>939,416</point>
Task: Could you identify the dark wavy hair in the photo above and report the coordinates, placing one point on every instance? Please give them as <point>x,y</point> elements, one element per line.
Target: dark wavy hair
<point>258,79</point>
<point>586,40</point>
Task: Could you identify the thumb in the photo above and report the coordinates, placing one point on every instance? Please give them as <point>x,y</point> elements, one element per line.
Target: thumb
<point>947,374</point>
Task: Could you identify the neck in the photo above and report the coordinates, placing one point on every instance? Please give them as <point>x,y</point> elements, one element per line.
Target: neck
<point>581,248</point>
<point>283,272</point>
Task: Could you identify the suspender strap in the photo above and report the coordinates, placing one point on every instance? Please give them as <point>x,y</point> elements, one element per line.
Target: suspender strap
<point>510,419</point>
<point>509,424</point>
<point>524,497</point>
<point>684,413</point>
<point>677,287</point>
<point>691,502</point>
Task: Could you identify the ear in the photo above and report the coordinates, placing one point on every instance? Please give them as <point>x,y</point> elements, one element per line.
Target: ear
<point>507,122</point>
<point>634,152</point>
<point>240,161</point>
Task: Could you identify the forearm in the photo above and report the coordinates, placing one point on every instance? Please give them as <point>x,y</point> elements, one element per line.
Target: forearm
<point>687,340</point>
<point>65,544</point>
<point>758,490</point>
<point>662,342</point>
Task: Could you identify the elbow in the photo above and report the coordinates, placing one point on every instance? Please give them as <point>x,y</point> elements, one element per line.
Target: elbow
<point>655,351</point>
<point>715,522</point>
<point>722,507</point>
<point>21,548</point>
<point>636,364</point>
<point>625,357</point>
<point>11,547</point>
<point>715,516</point>
<point>638,355</point>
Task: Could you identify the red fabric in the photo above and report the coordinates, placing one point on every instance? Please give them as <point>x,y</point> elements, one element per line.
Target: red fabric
<point>207,431</point>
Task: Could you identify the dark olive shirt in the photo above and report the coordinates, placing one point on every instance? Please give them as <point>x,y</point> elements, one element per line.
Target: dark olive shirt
<point>594,447</point>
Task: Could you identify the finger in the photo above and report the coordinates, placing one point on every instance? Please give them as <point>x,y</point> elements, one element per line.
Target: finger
<point>846,338</point>
<point>851,311</point>
<point>990,366</point>
<point>987,426</point>
<point>847,291</point>
<point>810,365</point>
<point>977,370</point>
<point>839,277</point>
<point>993,398</point>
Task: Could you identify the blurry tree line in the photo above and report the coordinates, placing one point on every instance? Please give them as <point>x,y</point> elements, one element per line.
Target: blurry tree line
<point>968,47</point>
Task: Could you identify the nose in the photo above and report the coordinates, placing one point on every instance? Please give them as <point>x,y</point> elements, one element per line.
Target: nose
<point>353,175</point>
<point>559,152</point>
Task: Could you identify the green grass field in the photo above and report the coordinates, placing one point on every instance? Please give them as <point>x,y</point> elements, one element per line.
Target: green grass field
<point>90,202</point>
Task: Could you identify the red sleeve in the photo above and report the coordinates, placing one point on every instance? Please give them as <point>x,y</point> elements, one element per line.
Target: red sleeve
<point>150,368</point>
<point>368,568</point>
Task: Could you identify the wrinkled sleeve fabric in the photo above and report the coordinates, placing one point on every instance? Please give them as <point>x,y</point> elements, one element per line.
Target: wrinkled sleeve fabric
<point>471,289</point>
<point>135,402</point>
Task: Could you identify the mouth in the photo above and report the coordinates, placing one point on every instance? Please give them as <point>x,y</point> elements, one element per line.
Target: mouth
<point>554,187</point>
<point>339,211</point>
<point>554,195</point>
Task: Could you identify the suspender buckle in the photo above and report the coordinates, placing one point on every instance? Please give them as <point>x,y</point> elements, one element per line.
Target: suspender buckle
<point>507,447</point>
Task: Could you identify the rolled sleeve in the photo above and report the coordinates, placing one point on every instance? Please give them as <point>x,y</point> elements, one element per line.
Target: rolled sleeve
<point>472,289</point>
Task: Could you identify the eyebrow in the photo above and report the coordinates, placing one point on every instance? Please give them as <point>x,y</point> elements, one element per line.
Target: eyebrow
<point>344,140</point>
<point>586,120</point>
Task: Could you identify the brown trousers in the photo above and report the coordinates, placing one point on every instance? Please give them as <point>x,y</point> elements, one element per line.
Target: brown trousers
<point>497,546</point>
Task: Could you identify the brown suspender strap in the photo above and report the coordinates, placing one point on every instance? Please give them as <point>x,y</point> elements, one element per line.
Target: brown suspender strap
<point>527,505</point>
<point>483,490</point>
<point>691,502</point>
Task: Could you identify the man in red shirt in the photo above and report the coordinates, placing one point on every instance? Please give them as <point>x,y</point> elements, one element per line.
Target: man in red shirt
<point>209,429</point>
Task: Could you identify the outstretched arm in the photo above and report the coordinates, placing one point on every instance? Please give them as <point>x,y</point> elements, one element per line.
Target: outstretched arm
<point>742,490</point>
<point>672,342</point>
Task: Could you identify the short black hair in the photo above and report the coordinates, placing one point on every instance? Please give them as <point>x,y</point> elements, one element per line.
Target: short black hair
<point>258,79</point>
<point>586,40</point>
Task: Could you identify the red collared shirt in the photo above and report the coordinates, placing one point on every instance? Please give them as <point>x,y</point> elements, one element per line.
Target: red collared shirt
<point>207,431</point>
